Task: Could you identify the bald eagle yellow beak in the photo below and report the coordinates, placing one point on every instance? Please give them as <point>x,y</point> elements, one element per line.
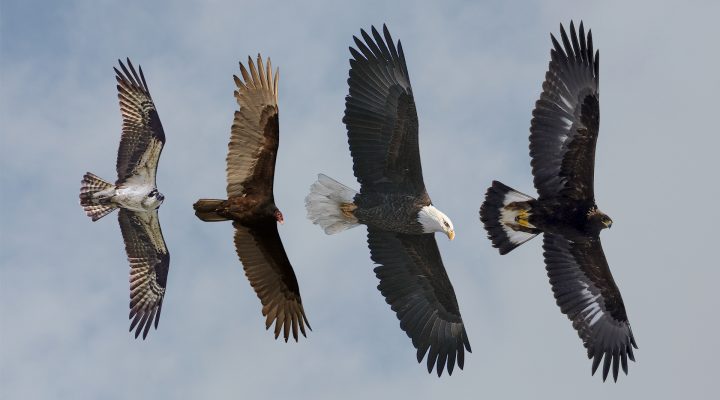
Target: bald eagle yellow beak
<point>451,234</point>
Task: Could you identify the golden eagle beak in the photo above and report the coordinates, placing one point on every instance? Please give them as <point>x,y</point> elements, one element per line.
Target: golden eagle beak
<point>451,234</point>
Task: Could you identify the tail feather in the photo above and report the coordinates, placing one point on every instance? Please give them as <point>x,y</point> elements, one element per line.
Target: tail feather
<point>505,214</point>
<point>95,196</point>
<point>330,204</point>
<point>206,210</point>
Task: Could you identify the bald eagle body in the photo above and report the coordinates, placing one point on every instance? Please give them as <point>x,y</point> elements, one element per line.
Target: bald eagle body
<point>391,212</point>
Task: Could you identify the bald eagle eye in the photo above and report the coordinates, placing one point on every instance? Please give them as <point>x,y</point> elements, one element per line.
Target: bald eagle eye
<point>446,224</point>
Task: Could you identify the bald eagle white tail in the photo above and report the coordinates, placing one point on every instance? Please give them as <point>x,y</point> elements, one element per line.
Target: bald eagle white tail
<point>330,204</point>
<point>96,195</point>
<point>506,216</point>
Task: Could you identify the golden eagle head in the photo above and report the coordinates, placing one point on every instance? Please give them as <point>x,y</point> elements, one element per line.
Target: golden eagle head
<point>598,220</point>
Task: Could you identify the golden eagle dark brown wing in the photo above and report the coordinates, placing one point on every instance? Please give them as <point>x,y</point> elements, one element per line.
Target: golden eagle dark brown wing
<point>269,271</point>
<point>586,292</point>
<point>414,282</point>
<point>149,264</point>
<point>381,118</point>
<point>566,119</point>
<point>143,136</point>
<point>255,132</point>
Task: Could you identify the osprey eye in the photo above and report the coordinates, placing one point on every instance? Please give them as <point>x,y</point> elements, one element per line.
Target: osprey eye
<point>153,193</point>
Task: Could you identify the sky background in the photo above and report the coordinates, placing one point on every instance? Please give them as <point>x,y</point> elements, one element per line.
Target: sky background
<point>476,68</point>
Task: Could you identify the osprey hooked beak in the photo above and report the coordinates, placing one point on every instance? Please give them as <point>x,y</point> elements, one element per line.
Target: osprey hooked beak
<point>451,234</point>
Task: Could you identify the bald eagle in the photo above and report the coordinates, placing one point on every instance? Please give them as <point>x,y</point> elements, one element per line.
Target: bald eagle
<point>563,133</point>
<point>251,205</point>
<point>135,193</point>
<point>382,128</point>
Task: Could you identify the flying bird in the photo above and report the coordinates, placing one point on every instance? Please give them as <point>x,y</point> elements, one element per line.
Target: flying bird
<point>382,127</point>
<point>563,134</point>
<point>251,205</point>
<point>135,193</point>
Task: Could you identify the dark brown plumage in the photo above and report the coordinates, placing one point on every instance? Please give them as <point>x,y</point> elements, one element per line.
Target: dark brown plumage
<point>251,205</point>
<point>564,131</point>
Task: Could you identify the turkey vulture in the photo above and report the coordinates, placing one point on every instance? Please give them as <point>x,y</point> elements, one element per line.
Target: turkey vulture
<point>563,133</point>
<point>136,194</point>
<point>382,127</point>
<point>251,205</point>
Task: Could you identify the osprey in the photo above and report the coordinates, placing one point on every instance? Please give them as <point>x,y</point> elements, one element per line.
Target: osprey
<point>563,133</point>
<point>382,127</point>
<point>135,194</point>
<point>251,205</point>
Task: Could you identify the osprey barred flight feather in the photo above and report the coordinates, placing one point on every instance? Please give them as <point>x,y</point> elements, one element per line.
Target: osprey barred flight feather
<point>251,205</point>
<point>135,194</point>
<point>382,127</point>
<point>563,134</point>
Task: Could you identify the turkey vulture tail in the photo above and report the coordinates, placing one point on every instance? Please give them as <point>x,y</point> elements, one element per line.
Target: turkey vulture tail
<point>331,204</point>
<point>506,216</point>
<point>206,210</point>
<point>96,196</point>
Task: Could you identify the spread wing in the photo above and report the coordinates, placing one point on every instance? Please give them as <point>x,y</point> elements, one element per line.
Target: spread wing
<point>566,120</point>
<point>414,282</point>
<point>586,292</point>
<point>381,118</point>
<point>149,263</point>
<point>143,136</point>
<point>254,139</point>
<point>269,271</point>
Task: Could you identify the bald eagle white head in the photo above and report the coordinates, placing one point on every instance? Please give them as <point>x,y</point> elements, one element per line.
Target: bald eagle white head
<point>434,220</point>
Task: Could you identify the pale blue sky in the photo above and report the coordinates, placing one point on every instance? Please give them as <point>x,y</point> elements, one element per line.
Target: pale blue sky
<point>476,69</point>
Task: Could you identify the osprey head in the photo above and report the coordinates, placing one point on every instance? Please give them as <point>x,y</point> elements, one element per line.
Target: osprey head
<point>598,220</point>
<point>153,199</point>
<point>433,220</point>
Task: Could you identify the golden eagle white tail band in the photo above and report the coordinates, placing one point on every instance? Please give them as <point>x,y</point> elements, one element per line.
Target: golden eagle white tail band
<point>329,205</point>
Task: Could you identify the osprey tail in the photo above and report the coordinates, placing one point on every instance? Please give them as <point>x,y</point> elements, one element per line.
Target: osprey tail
<point>330,204</point>
<point>206,210</point>
<point>506,216</point>
<point>96,196</point>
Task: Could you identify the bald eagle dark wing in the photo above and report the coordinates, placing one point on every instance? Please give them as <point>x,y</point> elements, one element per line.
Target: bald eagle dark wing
<point>415,284</point>
<point>565,122</point>
<point>255,132</point>
<point>586,292</point>
<point>381,118</point>
<point>269,271</point>
<point>149,263</point>
<point>143,136</point>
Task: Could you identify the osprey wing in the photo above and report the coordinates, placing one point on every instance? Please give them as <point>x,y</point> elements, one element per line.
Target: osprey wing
<point>586,292</point>
<point>149,263</point>
<point>414,282</point>
<point>269,271</point>
<point>381,118</point>
<point>255,132</point>
<point>143,136</point>
<point>566,119</point>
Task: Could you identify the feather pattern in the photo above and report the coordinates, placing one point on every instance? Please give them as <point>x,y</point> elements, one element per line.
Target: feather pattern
<point>149,264</point>
<point>381,118</point>
<point>143,136</point>
<point>565,122</point>
<point>254,136</point>
<point>414,282</point>
<point>270,274</point>
<point>586,292</point>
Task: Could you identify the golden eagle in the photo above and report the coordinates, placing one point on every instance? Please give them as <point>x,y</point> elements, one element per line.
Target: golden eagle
<point>564,130</point>
<point>382,128</point>
<point>251,205</point>
<point>135,193</point>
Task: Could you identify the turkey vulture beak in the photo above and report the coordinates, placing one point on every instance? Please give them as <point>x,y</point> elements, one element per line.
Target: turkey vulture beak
<point>451,234</point>
<point>279,217</point>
